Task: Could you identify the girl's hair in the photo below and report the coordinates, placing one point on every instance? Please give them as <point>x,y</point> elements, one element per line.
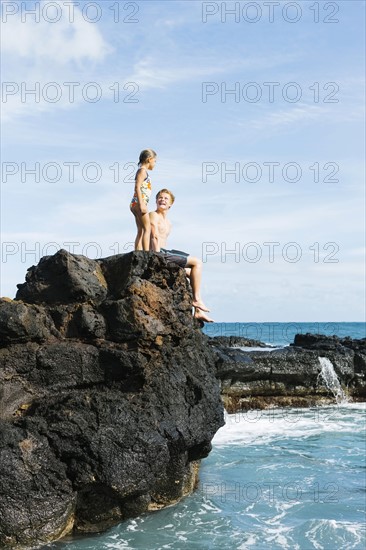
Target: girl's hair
<point>145,155</point>
<point>172,197</point>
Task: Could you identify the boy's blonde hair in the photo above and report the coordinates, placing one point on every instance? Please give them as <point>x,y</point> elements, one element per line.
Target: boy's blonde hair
<point>172,197</point>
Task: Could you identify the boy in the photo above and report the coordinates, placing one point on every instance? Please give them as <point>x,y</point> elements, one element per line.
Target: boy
<point>160,230</point>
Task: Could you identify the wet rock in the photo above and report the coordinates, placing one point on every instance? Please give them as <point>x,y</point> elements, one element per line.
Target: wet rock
<point>237,341</point>
<point>322,342</point>
<point>290,376</point>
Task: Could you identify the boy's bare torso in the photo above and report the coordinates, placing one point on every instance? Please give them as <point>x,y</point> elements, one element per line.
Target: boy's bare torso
<point>163,227</point>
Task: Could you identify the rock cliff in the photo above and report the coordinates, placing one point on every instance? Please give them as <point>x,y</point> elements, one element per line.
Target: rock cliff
<point>290,376</point>
<point>108,395</point>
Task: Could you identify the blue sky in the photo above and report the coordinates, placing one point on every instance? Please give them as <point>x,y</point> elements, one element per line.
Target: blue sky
<point>172,70</point>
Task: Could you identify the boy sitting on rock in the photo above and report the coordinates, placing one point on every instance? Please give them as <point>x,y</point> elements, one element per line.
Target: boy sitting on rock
<point>160,230</point>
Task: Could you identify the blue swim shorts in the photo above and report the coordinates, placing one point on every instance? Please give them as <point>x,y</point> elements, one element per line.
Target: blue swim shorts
<point>175,257</point>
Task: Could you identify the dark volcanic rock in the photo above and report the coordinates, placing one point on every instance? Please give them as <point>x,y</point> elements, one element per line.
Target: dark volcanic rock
<point>63,278</point>
<point>21,323</point>
<point>108,395</point>
<point>321,342</point>
<point>290,376</point>
<point>237,341</point>
<point>37,500</point>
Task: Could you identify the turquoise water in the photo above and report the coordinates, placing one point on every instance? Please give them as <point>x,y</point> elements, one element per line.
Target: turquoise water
<point>292,479</point>
<point>282,334</point>
<point>276,479</point>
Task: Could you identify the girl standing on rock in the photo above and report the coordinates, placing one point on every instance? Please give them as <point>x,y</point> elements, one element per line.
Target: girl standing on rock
<point>141,198</point>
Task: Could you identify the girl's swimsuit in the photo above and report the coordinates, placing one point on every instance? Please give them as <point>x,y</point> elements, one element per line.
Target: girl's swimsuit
<point>145,191</point>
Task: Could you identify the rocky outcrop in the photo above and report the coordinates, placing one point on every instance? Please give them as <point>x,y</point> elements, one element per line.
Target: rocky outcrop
<point>289,376</point>
<point>238,341</point>
<point>108,395</point>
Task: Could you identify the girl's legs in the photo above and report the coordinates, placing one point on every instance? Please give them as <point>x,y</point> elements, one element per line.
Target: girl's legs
<point>138,240</point>
<point>146,230</point>
<point>142,241</point>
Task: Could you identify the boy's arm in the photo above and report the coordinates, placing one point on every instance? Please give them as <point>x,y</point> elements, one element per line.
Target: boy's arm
<point>154,236</point>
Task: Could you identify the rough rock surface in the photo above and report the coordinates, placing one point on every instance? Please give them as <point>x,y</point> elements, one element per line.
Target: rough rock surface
<point>289,376</point>
<point>108,395</point>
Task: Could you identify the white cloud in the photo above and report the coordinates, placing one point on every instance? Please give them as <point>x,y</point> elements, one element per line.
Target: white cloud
<point>348,107</point>
<point>61,42</point>
<point>149,73</point>
<point>160,71</point>
<point>36,54</point>
<point>292,117</point>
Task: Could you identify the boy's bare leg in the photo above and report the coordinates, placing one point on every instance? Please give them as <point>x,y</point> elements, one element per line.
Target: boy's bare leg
<point>201,316</point>
<point>195,277</point>
<point>198,312</point>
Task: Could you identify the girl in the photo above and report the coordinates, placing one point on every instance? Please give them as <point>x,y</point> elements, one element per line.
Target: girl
<point>141,198</point>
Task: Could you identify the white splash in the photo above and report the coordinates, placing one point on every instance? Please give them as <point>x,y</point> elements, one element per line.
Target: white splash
<point>331,381</point>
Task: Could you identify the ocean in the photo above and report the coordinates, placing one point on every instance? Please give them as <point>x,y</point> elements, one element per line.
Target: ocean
<point>282,334</point>
<point>276,479</point>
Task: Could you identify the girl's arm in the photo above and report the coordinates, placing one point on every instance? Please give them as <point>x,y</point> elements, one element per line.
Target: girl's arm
<point>138,181</point>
